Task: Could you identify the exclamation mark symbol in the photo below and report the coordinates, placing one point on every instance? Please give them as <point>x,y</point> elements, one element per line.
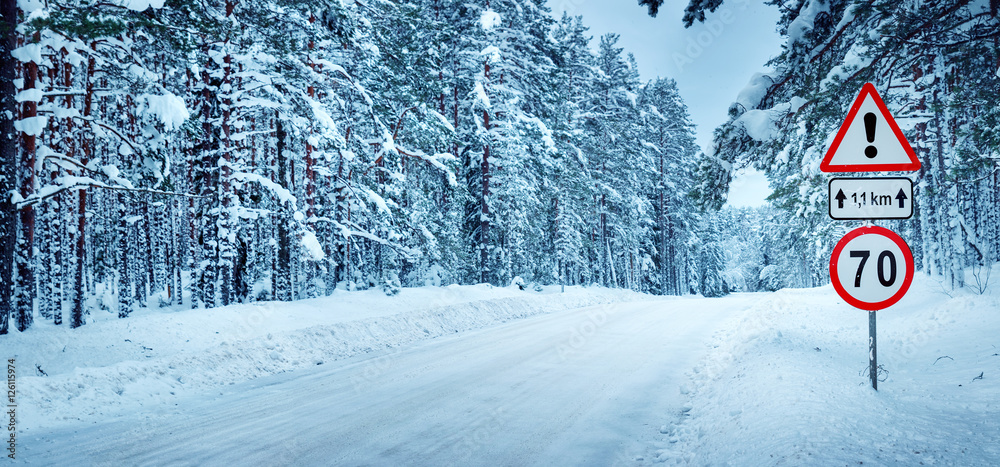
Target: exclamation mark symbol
<point>870,151</point>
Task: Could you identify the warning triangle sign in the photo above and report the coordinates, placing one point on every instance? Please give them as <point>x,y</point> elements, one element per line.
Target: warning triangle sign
<point>869,140</point>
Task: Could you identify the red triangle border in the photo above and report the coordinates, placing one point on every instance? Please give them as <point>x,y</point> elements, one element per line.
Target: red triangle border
<point>869,89</point>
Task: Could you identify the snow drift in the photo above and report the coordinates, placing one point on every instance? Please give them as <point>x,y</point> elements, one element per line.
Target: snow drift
<point>151,358</point>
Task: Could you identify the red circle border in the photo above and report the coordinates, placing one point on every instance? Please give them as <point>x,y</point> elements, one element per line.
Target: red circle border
<point>907,256</point>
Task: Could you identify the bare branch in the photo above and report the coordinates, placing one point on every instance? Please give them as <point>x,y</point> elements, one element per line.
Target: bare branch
<point>37,199</point>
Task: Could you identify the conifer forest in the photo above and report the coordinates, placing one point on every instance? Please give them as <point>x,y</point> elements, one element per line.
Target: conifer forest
<point>200,153</point>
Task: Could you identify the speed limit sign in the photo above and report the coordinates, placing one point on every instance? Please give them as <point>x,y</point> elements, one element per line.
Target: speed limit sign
<point>871,268</point>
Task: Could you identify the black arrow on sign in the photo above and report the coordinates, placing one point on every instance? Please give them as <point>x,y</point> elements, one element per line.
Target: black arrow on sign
<point>840,199</point>
<point>901,197</point>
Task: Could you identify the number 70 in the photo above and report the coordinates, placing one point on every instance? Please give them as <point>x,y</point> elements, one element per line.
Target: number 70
<point>864,255</point>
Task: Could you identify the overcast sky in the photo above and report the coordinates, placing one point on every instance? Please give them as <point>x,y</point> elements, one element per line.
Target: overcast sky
<point>710,61</point>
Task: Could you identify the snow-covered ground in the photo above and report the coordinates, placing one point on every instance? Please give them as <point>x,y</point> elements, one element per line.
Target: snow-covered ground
<point>519,377</point>
<point>786,384</point>
<point>484,375</point>
<point>116,365</point>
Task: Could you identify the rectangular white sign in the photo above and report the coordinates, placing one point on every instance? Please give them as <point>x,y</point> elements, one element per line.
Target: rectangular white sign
<point>871,198</point>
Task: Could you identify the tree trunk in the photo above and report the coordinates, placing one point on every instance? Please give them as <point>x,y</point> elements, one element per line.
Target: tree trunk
<point>342,258</point>
<point>282,279</point>
<point>124,273</point>
<point>76,316</point>
<point>8,159</point>
<point>484,206</point>
<point>226,222</point>
<point>25,288</point>
<point>77,312</point>
<point>209,228</point>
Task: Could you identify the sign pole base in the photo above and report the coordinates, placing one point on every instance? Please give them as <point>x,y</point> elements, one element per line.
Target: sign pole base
<point>872,358</point>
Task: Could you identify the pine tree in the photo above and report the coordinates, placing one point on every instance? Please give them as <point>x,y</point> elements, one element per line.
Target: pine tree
<point>711,262</point>
<point>349,147</point>
<point>929,64</point>
<point>669,134</point>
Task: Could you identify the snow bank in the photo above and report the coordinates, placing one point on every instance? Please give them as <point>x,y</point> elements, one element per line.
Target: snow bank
<point>786,383</point>
<point>112,366</point>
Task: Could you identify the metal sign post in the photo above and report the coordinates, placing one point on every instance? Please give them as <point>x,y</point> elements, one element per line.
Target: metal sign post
<point>871,267</point>
<point>872,351</point>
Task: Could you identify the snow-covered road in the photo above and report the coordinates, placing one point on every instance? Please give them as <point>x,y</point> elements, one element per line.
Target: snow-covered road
<point>590,386</point>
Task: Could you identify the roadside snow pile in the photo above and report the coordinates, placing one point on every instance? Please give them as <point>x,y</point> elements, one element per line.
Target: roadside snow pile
<point>151,358</point>
<point>786,383</point>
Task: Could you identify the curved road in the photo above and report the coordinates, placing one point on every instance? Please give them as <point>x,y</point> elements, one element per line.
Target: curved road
<point>582,387</point>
